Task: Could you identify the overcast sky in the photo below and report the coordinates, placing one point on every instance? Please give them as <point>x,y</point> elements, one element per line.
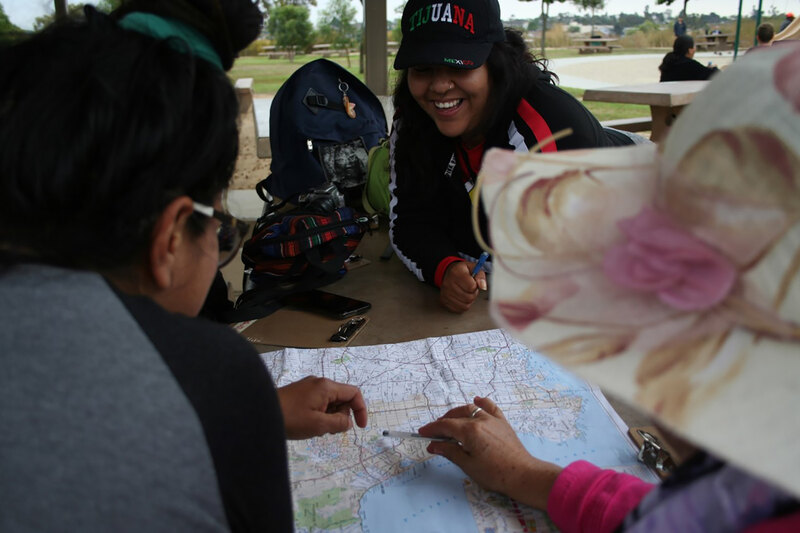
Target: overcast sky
<point>24,12</point>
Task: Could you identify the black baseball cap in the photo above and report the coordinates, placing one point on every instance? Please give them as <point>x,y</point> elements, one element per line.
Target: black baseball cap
<point>457,34</point>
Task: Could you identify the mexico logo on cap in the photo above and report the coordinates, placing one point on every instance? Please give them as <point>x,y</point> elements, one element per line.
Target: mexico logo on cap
<point>459,62</point>
<point>442,12</point>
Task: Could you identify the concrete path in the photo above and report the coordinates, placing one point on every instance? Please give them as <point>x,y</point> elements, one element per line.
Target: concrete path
<point>593,72</point>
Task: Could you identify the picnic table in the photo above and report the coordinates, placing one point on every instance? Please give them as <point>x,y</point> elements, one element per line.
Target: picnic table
<point>715,42</point>
<point>595,45</point>
<point>666,100</point>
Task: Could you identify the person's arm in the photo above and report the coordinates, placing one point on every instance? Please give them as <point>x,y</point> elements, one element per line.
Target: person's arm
<point>418,222</point>
<point>587,498</point>
<point>580,497</point>
<point>560,110</point>
<point>488,450</point>
<point>700,71</point>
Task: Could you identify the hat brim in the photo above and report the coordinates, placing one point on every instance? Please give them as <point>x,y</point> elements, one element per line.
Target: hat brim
<point>457,55</point>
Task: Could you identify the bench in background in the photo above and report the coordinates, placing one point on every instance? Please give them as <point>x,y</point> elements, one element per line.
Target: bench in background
<point>630,124</point>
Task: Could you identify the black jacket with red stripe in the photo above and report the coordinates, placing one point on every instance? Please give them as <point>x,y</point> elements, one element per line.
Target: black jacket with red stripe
<point>429,232</point>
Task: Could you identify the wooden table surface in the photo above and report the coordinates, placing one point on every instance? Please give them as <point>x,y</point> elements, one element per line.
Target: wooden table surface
<point>666,100</point>
<point>665,94</point>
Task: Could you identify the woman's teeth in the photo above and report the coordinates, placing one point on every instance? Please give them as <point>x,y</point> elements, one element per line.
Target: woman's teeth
<point>447,105</point>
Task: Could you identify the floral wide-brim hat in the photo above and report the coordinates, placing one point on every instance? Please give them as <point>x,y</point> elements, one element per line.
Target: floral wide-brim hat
<point>672,279</point>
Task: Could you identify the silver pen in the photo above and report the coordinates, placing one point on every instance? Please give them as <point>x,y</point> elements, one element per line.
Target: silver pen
<point>409,435</point>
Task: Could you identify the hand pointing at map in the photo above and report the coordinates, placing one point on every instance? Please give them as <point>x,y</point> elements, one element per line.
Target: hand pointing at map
<point>315,406</point>
<point>491,453</point>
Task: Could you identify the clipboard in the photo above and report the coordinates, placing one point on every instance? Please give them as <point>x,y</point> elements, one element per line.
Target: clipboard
<point>302,329</point>
<point>654,450</point>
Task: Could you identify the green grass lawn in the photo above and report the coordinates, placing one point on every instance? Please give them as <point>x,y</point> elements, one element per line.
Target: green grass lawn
<point>269,74</point>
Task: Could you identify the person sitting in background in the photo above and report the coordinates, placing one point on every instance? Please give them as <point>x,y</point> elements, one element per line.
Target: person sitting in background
<point>788,20</point>
<point>466,85</point>
<point>679,65</point>
<point>121,411</point>
<point>765,34</point>
<point>670,278</point>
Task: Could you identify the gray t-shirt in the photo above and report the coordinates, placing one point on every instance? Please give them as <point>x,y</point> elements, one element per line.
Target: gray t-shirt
<point>118,416</point>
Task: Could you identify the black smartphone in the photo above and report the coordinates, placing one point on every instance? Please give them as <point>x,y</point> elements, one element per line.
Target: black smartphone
<point>327,303</point>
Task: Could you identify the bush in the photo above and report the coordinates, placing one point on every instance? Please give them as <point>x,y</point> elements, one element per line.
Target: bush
<point>255,47</point>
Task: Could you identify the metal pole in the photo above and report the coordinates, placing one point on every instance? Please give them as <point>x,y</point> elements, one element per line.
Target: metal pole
<point>738,30</point>
<point>758,23</point>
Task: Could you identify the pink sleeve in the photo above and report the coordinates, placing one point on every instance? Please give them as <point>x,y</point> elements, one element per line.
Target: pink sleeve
<point>587,498</point>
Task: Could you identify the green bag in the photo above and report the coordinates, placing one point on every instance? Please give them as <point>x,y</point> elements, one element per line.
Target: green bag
<point>375,197</point>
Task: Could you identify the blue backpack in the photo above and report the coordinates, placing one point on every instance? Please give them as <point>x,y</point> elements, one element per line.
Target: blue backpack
<point>323,122</point>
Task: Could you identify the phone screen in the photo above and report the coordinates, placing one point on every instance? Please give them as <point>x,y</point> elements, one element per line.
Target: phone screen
<point>327,303</point>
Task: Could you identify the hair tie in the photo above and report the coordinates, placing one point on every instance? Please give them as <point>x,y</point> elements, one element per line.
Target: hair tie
<point>167,28</point>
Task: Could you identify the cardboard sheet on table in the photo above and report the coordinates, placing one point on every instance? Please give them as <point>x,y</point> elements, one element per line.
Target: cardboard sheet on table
<point>298,329</point>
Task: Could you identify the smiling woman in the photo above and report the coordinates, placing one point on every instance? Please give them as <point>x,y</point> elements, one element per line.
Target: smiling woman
<point>466,85</point>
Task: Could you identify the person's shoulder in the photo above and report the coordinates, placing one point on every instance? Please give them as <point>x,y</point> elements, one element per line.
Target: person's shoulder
<point>175,333</point>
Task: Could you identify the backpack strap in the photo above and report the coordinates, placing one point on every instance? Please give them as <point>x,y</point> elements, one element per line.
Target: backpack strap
<point>313,100</point>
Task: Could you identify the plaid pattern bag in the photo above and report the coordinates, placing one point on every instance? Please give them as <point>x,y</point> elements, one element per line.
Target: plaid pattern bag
<point>296,251</point>
<point>299,240</point>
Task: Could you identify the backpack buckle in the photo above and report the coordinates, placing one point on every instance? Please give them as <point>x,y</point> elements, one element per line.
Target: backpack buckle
<point>314,100</point>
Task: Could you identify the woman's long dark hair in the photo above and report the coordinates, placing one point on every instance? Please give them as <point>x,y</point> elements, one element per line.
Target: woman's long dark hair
<point>680,48</point>
<point>512,70</point>
<point>101,128</point>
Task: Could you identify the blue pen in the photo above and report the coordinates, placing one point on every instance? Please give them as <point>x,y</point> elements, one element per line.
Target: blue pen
<point>479,265</point>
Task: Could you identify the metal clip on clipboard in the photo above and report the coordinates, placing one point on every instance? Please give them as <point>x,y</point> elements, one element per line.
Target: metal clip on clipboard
<point>653,454</point>
<point>348,329</point>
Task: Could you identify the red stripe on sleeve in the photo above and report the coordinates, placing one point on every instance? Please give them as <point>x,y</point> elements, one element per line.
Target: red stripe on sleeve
<point>536,123</point>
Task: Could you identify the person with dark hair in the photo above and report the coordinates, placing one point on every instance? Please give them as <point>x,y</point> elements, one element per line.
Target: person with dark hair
<point>120,410</point>
<point>764,34</point>
<point>679,65</point>
<point>466,85</point>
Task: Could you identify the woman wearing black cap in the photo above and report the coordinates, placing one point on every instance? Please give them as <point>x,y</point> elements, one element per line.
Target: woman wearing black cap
<point>680,65</point>
<point>466,85</point>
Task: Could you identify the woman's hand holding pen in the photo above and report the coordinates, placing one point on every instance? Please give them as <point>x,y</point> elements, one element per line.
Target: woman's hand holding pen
<point>491,453</point>
<point>459,288</point>
<point>315,406</point>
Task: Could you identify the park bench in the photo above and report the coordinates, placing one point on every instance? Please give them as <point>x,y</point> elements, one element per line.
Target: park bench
<point>630,124</point>
<point>595,49</point>
<point>261,107</point>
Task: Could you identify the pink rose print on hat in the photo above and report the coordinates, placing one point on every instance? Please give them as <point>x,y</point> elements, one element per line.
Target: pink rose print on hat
<point>660,257</point>
<point>786,77</point>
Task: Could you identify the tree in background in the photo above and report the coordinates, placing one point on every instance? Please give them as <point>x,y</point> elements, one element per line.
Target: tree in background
<point>590,5</point>
<point>5,24</point>
<point>8,31</point>
<point>268,5</point>
<point>107,6</point>
<point>669,3</point>
<point>336,26</point>
<point>75,11</point>
<point>290,27</point>
<point>544,15</point>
